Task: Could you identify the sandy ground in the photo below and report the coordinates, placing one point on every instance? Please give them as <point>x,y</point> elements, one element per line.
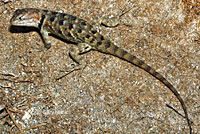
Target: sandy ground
<point>109,95</point>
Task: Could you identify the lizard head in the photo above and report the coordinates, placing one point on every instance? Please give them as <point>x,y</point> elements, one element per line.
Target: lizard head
<point>26,17</point>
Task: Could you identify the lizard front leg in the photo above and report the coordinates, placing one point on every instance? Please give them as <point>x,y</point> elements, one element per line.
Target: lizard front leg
<point>109,21</point>
<point>45,37</point>
<point>75,54</point>
<point>113,21</point>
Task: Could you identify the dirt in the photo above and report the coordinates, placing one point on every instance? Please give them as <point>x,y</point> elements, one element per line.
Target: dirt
<point>109,95</point>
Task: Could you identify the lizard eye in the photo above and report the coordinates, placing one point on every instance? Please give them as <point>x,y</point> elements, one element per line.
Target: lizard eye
<point>20,18</point>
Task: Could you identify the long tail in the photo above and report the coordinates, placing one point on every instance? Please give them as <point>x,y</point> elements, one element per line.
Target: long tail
<point>110,48</point>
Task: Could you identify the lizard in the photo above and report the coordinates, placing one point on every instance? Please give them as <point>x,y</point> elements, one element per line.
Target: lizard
<point>86,37</point>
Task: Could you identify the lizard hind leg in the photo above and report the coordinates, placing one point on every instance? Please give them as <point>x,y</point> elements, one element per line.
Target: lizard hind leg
<point>75,54</point>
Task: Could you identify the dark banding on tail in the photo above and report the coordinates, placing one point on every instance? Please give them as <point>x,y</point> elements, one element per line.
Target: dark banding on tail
<point>110,48</point>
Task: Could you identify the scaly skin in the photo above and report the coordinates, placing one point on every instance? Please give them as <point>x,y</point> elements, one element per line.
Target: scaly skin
<point>86,36</point>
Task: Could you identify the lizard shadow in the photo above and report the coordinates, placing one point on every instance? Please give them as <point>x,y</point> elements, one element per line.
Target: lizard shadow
<point>21,29</point>
<point>24,29</point>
